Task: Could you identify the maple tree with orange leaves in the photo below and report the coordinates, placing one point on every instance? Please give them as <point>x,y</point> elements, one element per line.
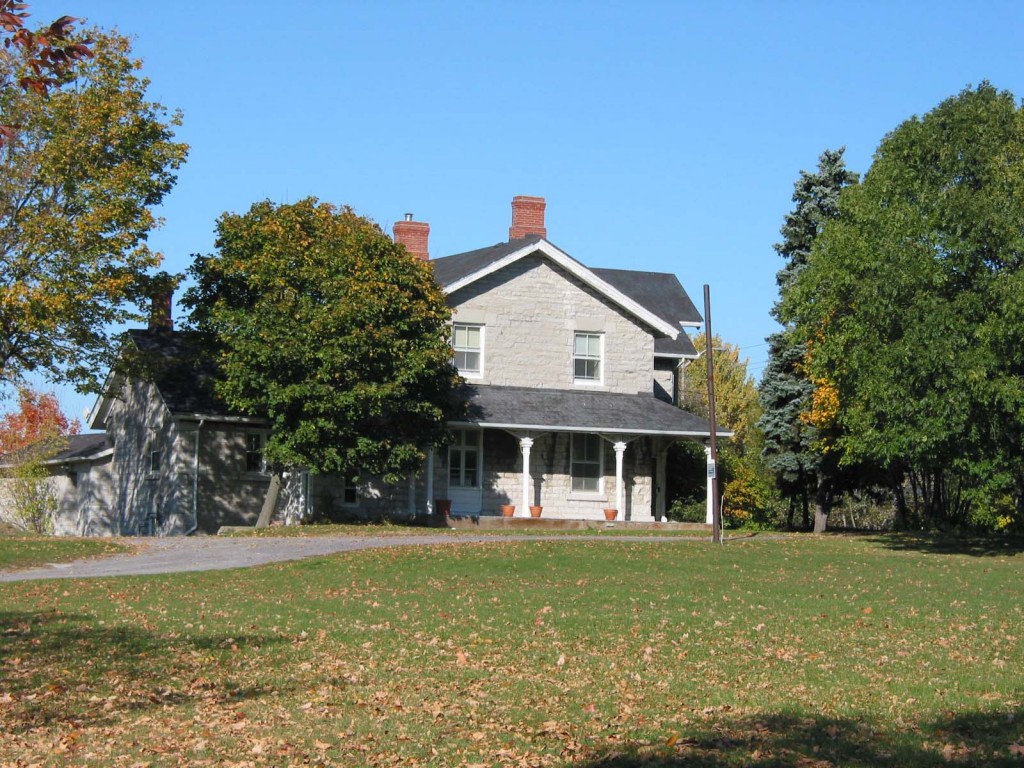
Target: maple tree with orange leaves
<point>39,421</point>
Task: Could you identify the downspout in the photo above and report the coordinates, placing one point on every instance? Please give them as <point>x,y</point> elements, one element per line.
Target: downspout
<point>195,482</point>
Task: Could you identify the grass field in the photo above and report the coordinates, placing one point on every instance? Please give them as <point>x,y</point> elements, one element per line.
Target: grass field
<point>812,652</point>
<point>19,550</point>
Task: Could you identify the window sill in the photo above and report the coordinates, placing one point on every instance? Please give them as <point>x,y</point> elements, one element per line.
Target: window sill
<point>582,496</point>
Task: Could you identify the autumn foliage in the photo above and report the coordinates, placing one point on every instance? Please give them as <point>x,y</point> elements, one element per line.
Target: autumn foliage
<point>38,420</point>
<point>51,53</point>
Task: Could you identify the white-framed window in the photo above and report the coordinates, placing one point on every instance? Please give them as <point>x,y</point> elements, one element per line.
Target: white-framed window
<point>468,347</point>
<point>254,453</point>
<point>464,459</point>
<point>155,459</point>
<point>587,465</point>
<point>587,351</point>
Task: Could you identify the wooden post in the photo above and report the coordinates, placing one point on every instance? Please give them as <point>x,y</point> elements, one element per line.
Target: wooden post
<point>709,353</point>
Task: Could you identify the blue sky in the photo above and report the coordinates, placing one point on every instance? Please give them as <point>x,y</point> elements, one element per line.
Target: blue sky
<point>665,136</point>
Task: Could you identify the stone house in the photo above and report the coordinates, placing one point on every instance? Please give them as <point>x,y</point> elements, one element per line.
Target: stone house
<point>571,375</point>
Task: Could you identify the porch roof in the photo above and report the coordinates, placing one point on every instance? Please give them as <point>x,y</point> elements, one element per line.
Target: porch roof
<point>561,410</point>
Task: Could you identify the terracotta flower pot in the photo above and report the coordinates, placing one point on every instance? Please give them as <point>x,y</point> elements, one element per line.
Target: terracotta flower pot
<point>535,511</point>
<point>508,510</point>
<point>610,514</point>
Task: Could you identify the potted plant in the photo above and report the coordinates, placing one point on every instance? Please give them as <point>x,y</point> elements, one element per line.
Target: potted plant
<point>610,513</point>
<point>442,507</point>
<point>535,510</point>
<point>508,510</point>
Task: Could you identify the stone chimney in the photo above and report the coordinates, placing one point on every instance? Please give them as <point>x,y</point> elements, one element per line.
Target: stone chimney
<point>413,235</point>
<point>527,217</point>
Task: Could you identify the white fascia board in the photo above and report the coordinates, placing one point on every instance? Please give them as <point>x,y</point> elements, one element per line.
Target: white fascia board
<point>78,459</point>
<point>586,430</point>
<point>101,408</point>
<point>221,419</point>
<point>579,271</point>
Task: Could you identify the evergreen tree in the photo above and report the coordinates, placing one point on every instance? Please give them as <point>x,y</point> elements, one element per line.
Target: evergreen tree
<point>785,390</point>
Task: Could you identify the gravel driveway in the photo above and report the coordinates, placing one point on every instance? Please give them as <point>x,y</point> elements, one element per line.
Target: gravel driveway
<point>210,553</point>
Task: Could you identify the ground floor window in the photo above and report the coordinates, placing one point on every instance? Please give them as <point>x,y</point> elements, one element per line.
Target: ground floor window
<point>587,463</point>
<point>350,492</point>
<point>254,452</point>
<point>464,459</point>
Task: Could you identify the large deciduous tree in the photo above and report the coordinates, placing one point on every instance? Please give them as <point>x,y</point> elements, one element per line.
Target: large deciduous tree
<point>912,305</point>
<point>333,332</point>
<point>790,442</point>
<point>79,177</point>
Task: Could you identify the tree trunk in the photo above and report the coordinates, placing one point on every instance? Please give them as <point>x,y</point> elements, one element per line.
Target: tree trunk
<point>270,500</point>
<point>822,506</point>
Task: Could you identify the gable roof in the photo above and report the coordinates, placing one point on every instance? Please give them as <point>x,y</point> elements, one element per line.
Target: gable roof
<point>629,293</point>
<point>181,369</point>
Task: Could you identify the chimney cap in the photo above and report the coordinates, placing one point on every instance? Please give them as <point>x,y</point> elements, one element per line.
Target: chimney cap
<point>408,217</point>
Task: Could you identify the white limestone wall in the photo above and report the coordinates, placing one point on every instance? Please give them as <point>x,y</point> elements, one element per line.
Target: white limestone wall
<point>531,310</point>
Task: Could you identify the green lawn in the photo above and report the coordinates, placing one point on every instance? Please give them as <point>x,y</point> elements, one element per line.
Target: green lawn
<point>810,652</point>
<point>18,550</point>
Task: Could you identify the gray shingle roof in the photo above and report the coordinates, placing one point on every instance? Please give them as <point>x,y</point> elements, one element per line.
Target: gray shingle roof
<point>81,447</point>
<point>660,292</point>
<point>579,411</point>
<point>449,269</point>
<point>182,370</point>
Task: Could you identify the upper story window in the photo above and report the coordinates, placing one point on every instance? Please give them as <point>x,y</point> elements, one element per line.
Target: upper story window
<point>587,463</point>
<point>254,452</point>
<point>586,357</point>
<point>468,343</point>
<point>155,460</point>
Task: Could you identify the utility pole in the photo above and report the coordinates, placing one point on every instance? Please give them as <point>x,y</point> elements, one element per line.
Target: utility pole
<point>716,513</point>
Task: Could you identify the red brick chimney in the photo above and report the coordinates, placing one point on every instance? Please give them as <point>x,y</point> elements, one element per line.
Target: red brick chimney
<point>413,235</point>
<point>527,217</point>
<point>160,316</point>
<point>161,296</point>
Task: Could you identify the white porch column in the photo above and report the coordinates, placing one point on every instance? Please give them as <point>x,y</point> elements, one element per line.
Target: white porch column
<point>709,517</point>
<point>430,481</point>
<point>620,488</point>
<point>525,444</point>
<point>660,481</point>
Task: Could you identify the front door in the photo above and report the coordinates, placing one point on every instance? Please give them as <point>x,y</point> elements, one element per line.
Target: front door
<point>465,467</point>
